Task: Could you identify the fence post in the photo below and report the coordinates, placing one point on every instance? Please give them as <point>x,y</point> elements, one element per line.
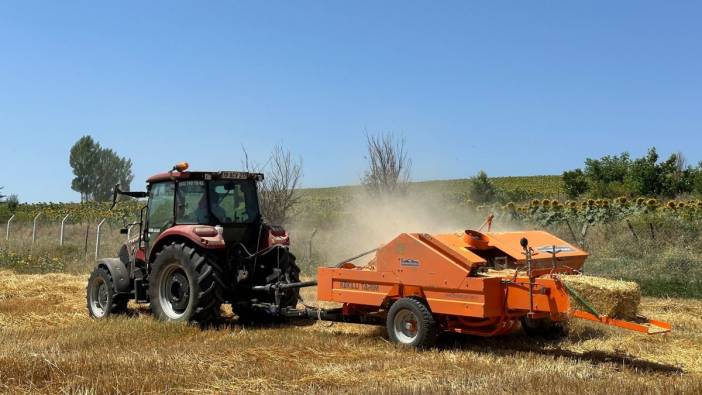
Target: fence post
<point>63,221</point>
<point>34,228</point>
<point>7,231</point>
<point>97,238</point>
<point>85,247</point>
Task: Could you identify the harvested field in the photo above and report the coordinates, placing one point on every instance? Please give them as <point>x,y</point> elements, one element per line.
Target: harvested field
<point>48,344</point>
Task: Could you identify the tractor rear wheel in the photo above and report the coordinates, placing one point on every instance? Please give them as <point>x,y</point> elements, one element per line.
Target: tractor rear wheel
<point>185,285</point>
<point>102,299</point>
<point>411,323</point>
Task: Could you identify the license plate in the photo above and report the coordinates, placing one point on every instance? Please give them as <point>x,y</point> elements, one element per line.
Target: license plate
<point>233,175</point>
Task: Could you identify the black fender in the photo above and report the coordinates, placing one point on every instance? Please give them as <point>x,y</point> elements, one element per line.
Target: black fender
<point>118,271</point>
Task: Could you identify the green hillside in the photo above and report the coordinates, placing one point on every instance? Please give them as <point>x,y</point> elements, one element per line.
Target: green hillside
<point>534,186</point>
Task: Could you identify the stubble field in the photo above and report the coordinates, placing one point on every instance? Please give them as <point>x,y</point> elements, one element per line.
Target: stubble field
<point>48,344</point>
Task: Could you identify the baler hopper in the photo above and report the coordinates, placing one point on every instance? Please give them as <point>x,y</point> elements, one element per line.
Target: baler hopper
<point>468,282</point>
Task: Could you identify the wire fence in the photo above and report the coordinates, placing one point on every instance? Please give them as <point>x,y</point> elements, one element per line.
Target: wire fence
<point>93,236</point>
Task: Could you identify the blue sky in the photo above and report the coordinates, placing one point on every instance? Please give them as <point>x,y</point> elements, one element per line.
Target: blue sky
<point>514,88</point>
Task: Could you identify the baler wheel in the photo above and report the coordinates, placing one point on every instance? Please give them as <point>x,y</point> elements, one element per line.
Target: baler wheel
<point>185,285</point>
<point>101,297</point>
<point>411,323</point>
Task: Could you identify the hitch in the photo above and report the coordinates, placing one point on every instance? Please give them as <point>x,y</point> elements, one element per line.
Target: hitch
<point>282,286</point>
<point>278,290</point>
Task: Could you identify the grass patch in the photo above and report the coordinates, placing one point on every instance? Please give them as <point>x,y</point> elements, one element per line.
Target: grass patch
<point>674,288</point>
<point>653,272</point>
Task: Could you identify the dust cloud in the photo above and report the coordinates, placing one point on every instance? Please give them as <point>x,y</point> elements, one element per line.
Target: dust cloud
<point>366,222</point>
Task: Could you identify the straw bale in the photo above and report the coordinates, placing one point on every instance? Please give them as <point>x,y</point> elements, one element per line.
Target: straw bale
<point>614,298</point>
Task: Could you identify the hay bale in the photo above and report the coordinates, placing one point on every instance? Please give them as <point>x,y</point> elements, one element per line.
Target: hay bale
<point>614,298</point>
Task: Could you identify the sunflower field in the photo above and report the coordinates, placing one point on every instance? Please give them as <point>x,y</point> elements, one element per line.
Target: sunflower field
<point>77,212</point>
<point>546,212</point>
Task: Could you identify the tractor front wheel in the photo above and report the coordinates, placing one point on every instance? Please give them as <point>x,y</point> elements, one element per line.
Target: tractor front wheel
<point>102,299</point>
<point>185,285</point>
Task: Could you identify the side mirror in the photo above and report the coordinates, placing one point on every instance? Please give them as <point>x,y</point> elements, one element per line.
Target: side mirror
<point>123,231</point>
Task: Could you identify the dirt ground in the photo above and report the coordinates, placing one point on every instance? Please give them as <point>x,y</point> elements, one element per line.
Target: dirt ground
<point>48,344</point>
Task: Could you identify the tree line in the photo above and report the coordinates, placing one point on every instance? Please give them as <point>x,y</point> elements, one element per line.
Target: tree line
<point>620,175</point>
<point>98,169</point>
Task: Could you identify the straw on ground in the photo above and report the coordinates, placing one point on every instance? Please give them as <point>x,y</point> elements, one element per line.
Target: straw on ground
<point>48,344</point>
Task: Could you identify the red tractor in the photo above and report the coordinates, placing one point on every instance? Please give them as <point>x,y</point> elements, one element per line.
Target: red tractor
<point>202,243</point>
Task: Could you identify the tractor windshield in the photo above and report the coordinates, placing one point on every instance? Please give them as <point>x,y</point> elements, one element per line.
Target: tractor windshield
<point>234,201</point>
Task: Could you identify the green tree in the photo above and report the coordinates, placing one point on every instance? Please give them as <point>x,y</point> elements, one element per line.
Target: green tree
<point>1,195</point>
<point>84,158</point>
<point>481,189</point>
<point>575,183</point>
<point>607,174</point>
<point>12,202</point>
<point>675,176</point>
<point>112,170</point>
<point>612,176</point>
<point>97,170</point>
<point>644,178</point>
<point>670,178</point>
<point>697,179</point>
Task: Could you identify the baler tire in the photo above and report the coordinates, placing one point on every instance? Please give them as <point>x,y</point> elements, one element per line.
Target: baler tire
<point>427,331</point>
<point>544,328</point>
<point>205,290</point>
<point>112,303</point>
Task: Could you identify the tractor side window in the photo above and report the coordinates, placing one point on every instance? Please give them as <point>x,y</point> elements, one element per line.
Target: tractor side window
<point>191,203</point>
<point>160,207</point>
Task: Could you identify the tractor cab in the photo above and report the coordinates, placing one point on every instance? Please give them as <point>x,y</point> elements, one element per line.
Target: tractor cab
<point>225,200</point>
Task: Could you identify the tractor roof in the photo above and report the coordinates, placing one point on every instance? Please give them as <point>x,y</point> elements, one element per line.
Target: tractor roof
<point>204,175</point>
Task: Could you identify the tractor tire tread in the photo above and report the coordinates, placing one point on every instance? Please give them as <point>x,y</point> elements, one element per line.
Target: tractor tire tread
<point>209,294</point>
<point>118,303</point>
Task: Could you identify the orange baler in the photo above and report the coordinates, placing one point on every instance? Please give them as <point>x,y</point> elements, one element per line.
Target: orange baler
<point>469,282</point>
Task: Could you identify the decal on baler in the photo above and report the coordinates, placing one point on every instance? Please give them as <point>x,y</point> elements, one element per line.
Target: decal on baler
<point>409,262</point>
<point>360,286</point>
<point>551,250</point>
